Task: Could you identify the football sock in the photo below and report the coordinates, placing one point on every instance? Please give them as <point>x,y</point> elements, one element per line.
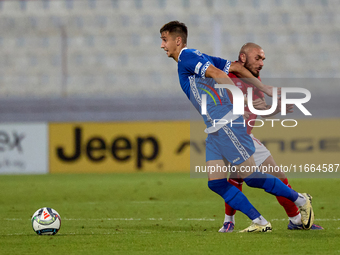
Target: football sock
<point>260,220</point>
<point>237,182</point>
<point>228,218</point>
<point>232,196</point>
<point>271,185</point>
<point>300,201</point>
<point>296,219</point>
<point>291,209</point>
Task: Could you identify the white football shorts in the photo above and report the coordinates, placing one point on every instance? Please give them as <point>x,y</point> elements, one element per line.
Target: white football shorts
<point>261,152</point>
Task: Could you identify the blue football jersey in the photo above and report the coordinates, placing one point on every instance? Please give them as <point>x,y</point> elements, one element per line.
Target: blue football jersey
<point>192,65</point>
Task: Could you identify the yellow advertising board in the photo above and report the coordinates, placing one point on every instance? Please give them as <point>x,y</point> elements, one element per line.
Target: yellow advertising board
<point>315,141</point>
<point>119,147</point>
<point>300,146</point>
<point>169,146</point>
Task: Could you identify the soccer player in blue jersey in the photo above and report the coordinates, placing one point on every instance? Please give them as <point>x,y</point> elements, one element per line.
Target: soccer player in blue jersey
<point>229,142</point>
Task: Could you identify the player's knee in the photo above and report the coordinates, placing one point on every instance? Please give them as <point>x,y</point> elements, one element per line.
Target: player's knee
<point>255,180</point>
<point>228,192</point>
<point>261,180</point>
<point>269,184</point>
<point>220,186</point>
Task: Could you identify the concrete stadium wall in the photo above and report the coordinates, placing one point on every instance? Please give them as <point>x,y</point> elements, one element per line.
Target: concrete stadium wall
<point>111,48</point>
<point>100,60</point>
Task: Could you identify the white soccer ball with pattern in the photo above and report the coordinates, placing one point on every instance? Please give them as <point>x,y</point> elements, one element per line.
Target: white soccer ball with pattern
<point>46,221</point>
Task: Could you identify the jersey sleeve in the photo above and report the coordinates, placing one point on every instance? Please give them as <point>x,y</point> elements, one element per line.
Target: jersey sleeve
<point>222,64</point>
<point>194,62</point>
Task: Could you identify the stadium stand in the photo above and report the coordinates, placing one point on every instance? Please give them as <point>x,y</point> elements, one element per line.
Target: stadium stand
<point>90,49</point>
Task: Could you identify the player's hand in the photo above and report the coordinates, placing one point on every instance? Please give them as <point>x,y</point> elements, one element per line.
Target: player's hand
<point>246,115</point>
<point>289,108</point>
<point>279,91</point>
<point>259,104</point>
<point>269,90</point>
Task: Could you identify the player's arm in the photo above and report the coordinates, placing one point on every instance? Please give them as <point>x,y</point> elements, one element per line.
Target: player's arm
<point>242,72</point>
<point>259,104</point>
<point>220,77</point>
<point>289,108</point>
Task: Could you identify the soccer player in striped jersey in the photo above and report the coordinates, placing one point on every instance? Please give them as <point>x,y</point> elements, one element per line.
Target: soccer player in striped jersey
<point>227,142</point>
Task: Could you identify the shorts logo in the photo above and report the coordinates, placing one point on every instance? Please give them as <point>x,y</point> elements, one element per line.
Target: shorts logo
<point>236,159</point>
<point>197,68</point>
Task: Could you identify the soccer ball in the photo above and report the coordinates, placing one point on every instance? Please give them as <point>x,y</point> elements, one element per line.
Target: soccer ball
<point>46,221</point>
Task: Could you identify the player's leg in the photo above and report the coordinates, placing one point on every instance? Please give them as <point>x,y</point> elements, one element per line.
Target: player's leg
<point>219,184</point>
<point>238,147</point>
<point>276,187</point>
<point>260,155</point>
<point>290,208</point>
<point>213,158</point>
<point>264,159</point>
<point>237,181</point>
<point>239,151</point>
<point>236,199</point>
<point>229,224</point>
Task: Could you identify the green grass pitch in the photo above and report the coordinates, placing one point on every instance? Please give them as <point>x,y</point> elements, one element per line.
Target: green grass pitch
<point>150,213</point>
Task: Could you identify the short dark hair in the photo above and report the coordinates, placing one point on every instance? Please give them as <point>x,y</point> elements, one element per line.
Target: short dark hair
<point>176,27</point>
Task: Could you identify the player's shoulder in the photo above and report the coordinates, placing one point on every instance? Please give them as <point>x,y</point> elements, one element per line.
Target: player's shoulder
<point>189,53</point>
<point>232,75</point>
<point>190,58</point>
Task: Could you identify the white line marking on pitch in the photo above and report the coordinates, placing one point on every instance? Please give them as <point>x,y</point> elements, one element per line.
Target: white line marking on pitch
<point>152,219</point>
<point>139,219</point>
<point>179,219</point>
